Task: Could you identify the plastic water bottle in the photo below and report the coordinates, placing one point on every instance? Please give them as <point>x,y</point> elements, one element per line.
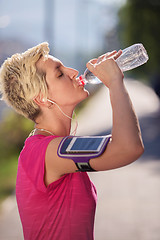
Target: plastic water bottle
<point>131,57</point>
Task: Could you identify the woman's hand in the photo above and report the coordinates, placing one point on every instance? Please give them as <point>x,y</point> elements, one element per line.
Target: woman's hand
<point>106,69</point>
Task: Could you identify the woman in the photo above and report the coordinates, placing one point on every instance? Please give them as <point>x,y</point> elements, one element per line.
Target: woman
<point>55,200</point>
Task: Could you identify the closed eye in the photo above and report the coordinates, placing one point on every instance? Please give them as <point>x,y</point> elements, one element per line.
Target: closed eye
<point>60,75</point>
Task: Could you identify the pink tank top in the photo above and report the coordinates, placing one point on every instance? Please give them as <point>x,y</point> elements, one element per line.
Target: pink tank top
<point>64,210</point>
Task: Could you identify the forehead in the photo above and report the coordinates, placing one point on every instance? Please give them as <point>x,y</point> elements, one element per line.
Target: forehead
<point>51,62</point>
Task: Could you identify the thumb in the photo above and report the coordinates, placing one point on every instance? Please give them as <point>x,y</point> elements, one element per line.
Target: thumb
<point>91,64</point>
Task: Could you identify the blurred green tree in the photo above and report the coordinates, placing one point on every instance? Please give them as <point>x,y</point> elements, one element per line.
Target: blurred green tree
<point>13,131</point>
<point>140,22</point>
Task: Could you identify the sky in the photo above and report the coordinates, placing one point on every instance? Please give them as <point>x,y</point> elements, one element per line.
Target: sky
<point>119,2</point>
<point>20,13</point>
<point>78,25</point>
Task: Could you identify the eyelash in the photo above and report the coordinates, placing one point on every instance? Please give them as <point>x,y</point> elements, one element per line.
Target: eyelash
<point>60,75</point>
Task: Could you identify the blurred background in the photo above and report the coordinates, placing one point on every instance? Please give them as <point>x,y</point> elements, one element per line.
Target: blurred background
<point>78,30</point>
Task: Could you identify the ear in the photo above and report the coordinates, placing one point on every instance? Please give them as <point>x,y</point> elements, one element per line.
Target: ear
<point>40,100</point>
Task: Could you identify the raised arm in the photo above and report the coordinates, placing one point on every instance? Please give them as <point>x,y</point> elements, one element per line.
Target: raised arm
<point>126,143</point>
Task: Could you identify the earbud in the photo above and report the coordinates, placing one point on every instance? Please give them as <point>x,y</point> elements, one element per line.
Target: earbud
<point>44,100</point>
<point>50,101</point>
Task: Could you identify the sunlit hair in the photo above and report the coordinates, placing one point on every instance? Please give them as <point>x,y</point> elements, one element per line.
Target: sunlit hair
<point>20,82</point>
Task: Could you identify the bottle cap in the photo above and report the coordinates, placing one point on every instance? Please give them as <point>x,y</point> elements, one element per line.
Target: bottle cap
<point>81,80</point>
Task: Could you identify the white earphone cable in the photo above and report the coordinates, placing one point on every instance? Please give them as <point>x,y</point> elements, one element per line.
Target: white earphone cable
<point>75,130</point>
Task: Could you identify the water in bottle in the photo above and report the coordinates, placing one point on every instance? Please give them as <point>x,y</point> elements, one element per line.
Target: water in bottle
<point>131,57</point>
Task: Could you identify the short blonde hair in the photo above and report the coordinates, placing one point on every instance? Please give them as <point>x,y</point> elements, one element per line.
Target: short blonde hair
<point>20,82</point>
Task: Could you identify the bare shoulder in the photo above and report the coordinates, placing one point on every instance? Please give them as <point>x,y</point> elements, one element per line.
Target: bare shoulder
<point>55,166</point>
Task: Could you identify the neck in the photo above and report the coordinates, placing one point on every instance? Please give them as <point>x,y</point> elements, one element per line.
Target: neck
<point>40,130</point>
<point>55,122</point>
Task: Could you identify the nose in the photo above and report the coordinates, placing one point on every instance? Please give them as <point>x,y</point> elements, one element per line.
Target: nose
<point>72,73</point>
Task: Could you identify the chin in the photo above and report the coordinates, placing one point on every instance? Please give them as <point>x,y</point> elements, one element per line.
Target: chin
<point>87,92</point>
<point>85,95</point>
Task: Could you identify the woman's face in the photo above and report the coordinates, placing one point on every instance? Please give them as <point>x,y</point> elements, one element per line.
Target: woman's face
<point>63,86</point>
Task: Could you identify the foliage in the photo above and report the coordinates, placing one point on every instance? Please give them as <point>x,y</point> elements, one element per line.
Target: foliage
<point>140,22</point>
<point>13,131</point>
<point>8,172</point>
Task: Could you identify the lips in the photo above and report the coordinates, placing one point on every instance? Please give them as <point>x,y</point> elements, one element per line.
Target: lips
<point>79,82</point>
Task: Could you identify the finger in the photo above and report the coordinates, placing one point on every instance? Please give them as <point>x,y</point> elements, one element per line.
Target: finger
<point>106,55</point>
<point>110,54</point>
<point>93,61</point>
<point>91,64</point>
<point>117,54</point>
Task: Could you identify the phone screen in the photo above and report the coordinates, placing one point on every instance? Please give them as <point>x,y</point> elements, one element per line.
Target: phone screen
<point>85,144</point>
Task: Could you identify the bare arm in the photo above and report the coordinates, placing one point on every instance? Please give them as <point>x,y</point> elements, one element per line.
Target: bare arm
<point>126,144</point>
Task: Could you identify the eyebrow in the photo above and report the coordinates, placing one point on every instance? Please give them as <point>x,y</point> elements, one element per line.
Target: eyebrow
<point>57,67</point>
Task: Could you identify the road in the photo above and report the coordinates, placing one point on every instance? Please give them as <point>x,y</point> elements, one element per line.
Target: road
<point>128,198</point>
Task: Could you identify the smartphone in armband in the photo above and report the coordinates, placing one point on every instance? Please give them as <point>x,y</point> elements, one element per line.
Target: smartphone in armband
<point>82,149</point>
